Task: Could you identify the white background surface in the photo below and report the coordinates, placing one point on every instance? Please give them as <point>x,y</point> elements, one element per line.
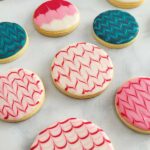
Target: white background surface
<point>128,62</point>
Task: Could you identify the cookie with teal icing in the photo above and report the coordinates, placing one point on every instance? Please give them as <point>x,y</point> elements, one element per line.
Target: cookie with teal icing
<point>115,28</point>
<point>13,41</point>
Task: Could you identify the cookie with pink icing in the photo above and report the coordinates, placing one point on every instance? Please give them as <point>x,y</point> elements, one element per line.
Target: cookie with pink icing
<point>82,70</point>
<point>21,95</point>
<point>133,104</point>
<point>72,134</point>
<point>56,18</point>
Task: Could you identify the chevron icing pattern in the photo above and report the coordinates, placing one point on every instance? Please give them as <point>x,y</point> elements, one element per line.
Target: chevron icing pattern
<point>72,134</point>
<point>82,69</point>
<point>20,93</point>
<point>115,27</point>
<point>133,102</point>
<point>12,39</point>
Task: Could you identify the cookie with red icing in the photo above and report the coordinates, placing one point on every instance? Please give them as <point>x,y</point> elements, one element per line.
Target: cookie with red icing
<point>133,104</point>
<point>56,18</point>
<point>82,70</point>
<point>21,95</point>
<point>72,134</point>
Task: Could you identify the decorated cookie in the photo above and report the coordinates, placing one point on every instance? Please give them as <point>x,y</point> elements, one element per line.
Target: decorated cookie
<point>133,104</point>
<point>115,29</point>
<point>82,70</point>
<point>72,134</point>
<point>13,41</point>
<point>56,18</point>
<point>126,3</point>
<point>21,95</point>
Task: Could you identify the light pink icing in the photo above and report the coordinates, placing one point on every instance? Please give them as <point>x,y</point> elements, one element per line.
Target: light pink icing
<point>133,102</point>
<point>20,93</point>
<point>82,69</point>
<point>72,134</point>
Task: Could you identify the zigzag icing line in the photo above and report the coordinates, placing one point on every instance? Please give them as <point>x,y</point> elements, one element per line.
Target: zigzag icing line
<point>12,39</point>
<point>21,91</point>
<point>116,27</point>
<point>49,138</point>
<point>133,102</point>
<point>83,66</point>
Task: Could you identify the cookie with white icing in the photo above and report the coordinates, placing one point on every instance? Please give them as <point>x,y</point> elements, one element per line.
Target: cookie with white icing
<point>82,70</point>
<point>126,3</point>
<point>133,104</point>
<point>13,41</point>
<point>56,18</point>
<point>72,134</point>
<point>21,95</point>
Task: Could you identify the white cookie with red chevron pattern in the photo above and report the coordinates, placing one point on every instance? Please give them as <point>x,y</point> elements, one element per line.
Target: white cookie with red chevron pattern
<point>72,134</point>
<point>133,104</point>
<point>21,95</point>
<point>82,70</point>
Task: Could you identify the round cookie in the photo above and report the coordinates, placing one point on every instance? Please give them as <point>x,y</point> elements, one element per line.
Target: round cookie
<point>126,3</point>
<point>72,134</point>
<point>82,70</point>
<point>21,95</point>
<point>13,41</point>
<point>56,18</point>
<point>115,29</point>
<point>133,104</point>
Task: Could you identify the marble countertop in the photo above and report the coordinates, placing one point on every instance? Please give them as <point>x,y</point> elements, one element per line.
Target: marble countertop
<point>129,62</point>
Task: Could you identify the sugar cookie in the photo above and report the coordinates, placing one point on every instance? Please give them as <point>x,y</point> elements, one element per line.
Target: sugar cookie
<point>133,104</point>
<point>56,18</point>
<point>13,41</point>
<point>82,70</point>
<point>115,29</point>
<point>126,3</point>
<point>72,134</point>
<point>21,95</point>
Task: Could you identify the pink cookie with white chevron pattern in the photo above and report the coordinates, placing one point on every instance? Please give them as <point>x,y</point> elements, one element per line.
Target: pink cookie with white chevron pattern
<point>82,70</point>
<point>21,95</point>
<point>133,104</point>
<point>72,134</point>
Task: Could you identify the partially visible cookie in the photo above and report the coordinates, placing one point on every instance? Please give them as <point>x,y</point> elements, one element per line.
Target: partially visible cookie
<point>133,104</point>
<point>21,95</point>
<point>72,134</point>
<point>126,3</point>
<point>56,18</point>
<point>13,41</point>
<point>115,29</point>
<point>82,70</point>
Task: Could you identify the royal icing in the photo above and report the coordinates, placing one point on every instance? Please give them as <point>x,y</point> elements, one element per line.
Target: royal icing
<point>21,92</point>
<point>82,69</point>
<point>72,134</point>
<point>12,39</point>
<point>55,15</point>
<point>115,27</point>
<point>133,102</point>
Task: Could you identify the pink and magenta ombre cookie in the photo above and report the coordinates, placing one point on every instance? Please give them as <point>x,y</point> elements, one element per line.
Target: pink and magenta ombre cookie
<point>133,104</point>
<point>56,18</point>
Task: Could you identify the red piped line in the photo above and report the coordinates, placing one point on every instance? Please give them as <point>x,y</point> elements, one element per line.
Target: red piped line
<point>19,102</point>
<point>135,106</point>
<point>39,141</point>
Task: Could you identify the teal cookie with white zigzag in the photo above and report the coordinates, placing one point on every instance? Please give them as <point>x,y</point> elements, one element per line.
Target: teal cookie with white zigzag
<point>115,29</point>
<point>13,41</point>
